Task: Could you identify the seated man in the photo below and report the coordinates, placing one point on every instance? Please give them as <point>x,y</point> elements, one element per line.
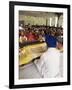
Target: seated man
<point>59,46</point>
<point>49,63</point>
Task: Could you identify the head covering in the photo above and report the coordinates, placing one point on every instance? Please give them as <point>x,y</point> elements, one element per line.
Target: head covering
<point>60,39</point>
<point>50,40</point>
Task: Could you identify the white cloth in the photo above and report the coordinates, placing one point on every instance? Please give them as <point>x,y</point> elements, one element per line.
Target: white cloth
<point>49,63</point>
<point>61,64</point>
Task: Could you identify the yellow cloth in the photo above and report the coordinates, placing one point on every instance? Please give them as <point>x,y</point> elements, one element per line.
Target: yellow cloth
<point>27,53</point>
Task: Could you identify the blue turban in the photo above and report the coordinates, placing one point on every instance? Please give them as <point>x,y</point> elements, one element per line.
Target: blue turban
<point>50,40</point>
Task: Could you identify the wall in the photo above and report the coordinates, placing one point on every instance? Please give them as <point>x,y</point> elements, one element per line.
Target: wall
<point>39,20</point>
<point>33,20</point>
<point>61,21</point>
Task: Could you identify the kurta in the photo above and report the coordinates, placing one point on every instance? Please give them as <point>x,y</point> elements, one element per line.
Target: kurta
<point>49,63</point>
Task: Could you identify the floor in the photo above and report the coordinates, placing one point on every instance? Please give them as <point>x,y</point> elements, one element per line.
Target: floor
<point>29,71</point>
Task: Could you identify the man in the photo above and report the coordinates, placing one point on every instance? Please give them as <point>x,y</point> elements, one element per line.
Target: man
<point>59,45</point>
<point>22,37</point>
<point>49,63</point>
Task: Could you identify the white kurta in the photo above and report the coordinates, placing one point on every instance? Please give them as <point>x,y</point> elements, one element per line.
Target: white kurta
<point>49,63</point>
<point>61,64</point>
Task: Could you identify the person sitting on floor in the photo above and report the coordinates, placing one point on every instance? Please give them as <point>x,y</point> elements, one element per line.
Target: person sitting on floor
<point>49,62</point>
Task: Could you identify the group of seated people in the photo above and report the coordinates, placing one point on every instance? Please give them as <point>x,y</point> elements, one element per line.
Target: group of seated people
<point>37,33</point>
